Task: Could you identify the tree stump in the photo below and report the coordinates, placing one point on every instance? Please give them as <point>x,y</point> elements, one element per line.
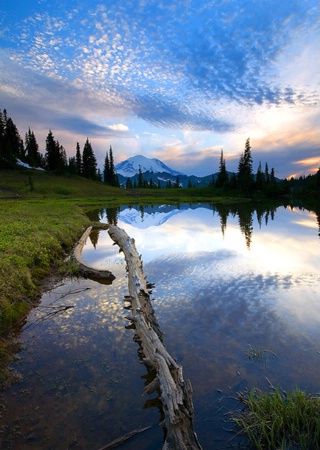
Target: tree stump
<point>175,392</point>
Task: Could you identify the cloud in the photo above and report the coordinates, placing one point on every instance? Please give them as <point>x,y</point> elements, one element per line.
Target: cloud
<point>164,113</point>
<point>118,127</point>
<point>198,66</point>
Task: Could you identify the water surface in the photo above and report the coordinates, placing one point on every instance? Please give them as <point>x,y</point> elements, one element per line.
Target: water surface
<point>228,281</point>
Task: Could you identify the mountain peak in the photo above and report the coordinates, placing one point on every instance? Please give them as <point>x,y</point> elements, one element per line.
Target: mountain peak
<point>130,166</point>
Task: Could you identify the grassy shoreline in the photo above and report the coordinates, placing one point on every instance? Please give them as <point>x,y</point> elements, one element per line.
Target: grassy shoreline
<point>42,217</point>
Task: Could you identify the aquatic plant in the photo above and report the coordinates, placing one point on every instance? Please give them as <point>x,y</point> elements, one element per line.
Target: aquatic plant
<point>279,420</point>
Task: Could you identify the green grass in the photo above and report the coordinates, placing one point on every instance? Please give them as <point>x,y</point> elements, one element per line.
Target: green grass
<point>280,420</point>
<point>34,234</point>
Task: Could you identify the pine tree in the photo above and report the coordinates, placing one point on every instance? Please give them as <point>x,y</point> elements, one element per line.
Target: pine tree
<point>106,169</point>
<point>33,157</point>
<point>222,174</point>
<point>260,178</point>
<point>267,176</point>
<point>140,178</point>
<point>72,165</point>
<point>11,144</point>
<point>112,170</point>
<point>245,178</point>
<point>2,132</point>
<point>52,154</point>
<point>78,160</point>
<point>89,168</point>
<point>113,174</point>
<point>109,173</point>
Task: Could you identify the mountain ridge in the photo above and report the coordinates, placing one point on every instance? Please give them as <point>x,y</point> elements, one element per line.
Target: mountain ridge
<point>157,172</point>
<point>130,167</point>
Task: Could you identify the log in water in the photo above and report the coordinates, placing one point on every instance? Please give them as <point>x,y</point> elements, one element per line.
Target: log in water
<point>175,392</point>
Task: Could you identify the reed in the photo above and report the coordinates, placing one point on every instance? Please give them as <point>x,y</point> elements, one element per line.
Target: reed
<point>279,420</point>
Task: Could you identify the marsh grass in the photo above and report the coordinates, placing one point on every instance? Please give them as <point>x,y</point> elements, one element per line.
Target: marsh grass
<point>34,235</point>
<point>259,354</point>
<point>279,420</point>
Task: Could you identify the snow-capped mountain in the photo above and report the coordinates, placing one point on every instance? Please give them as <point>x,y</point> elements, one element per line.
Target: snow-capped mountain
<point>130,167</point>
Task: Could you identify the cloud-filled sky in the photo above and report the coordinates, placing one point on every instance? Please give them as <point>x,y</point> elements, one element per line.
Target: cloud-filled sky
<point>177,80</point>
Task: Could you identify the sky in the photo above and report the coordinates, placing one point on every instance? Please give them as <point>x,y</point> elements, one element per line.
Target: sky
<point>177,80</point>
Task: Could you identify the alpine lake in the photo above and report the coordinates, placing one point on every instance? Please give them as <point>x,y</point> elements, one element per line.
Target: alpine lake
<point>236,293</point>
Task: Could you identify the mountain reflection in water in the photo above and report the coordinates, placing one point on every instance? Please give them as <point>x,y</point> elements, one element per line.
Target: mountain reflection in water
<point>227,279</point>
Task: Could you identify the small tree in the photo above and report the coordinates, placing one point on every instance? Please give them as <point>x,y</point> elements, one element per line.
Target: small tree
<point>33,157</point>
<point>222,178</point>
<point>260,178</point>
<point>78,160</point>
<point>128,183</point>
<point>89,162</point>
<point>140,178</point>
<point>109,174</point>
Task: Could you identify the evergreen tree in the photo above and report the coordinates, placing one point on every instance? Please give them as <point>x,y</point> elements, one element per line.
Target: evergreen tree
<point>260,178</point>
<point>89,162</point>
<point>106,169</point>
<point>13,140</point>
<point>33,157</point>
<point>109,174</point>
<point>317,182</point>
<point>2,132</point>
<point>72,165</point>
<point>112,169</point>
<point>140,178</point>
<point>11,144</point>
<point>129,183</point>
<point>245,178</point>
<point>272,177</point>
<point>267,176</point>
<point>177,183</point>
<point>222,174</point>
<point>52,155</point>
<point>78,160</point>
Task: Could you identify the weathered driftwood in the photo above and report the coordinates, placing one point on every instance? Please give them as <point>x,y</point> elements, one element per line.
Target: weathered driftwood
<point>175,392</point>
<point>86,270</point>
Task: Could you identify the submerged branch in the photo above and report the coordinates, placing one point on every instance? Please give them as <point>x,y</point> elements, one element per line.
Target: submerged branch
<point>124,438</point>
<point>85,269</point>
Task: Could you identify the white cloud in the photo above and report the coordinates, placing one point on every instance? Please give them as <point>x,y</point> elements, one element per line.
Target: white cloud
<point>118,127</point>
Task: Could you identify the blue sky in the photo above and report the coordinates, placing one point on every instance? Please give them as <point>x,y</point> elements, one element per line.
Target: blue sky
<point>174,80</point>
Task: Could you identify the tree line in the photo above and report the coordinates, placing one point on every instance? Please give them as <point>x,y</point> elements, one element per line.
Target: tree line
<point>265,181</point>
<point>245,180</point>
<point>84,163</point>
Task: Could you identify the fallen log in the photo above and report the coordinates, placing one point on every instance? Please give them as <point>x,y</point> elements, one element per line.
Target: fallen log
<point>175,392</point>
<point>104,276</point>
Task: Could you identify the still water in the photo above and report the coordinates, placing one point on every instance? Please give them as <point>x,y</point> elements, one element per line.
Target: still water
<point>230,281</point>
